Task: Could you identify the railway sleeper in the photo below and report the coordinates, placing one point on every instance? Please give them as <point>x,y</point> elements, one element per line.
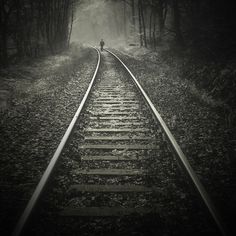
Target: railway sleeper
<point>119,147</point>
<point>118,138</point>
<point>123,118</point>
<point>108,211</point>
<point>127,188</point>
<point>114,158</point>
<point>111,172</point>
<point>110,130</point>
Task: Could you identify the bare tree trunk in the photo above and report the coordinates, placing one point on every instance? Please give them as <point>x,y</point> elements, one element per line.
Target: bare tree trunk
<point>143,23</point>
<point>4,18</point>
<point>133,16</point>
<point>150,28</point>
<point>71,24</point>
<point>3,46</point>
<point>195,21</point>
<point>119,28</point>
<point>125,29</point>
<point>140,25</point>
<point>3,38</point>
<point>161,17</point>
<point>154,30</point>
<point>177,24</point>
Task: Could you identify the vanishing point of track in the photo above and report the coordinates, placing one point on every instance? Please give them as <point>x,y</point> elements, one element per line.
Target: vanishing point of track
<point>120,128</point>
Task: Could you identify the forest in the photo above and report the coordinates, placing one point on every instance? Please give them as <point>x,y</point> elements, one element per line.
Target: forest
<point>31,27</point>
<point>205,24</point>
<point>202,30</point>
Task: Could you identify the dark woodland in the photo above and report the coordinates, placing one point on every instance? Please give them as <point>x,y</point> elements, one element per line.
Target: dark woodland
<point>203,30</point>
<point>183,53</point>
<point>29,28</point>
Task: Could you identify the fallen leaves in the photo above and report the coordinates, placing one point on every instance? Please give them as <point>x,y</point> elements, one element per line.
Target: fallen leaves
<point>44,102</point>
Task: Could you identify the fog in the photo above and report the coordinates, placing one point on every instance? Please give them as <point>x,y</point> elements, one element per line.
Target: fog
<point>99,19</point>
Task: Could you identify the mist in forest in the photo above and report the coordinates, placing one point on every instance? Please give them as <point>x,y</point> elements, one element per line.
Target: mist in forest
<point>38,28</point>
<point>99,19</point>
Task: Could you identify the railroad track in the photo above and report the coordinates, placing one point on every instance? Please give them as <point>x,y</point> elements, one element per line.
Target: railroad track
<point>119,151</point>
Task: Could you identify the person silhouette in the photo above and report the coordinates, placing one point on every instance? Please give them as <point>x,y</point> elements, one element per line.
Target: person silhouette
<point>102,43</point>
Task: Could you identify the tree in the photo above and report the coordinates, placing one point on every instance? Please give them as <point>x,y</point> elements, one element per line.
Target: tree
<point>176,23</point>
<point>6,9</point>
<point>31,27</point>
<point>142,25</point>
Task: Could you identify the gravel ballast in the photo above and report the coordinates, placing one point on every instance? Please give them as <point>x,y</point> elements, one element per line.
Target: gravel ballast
<point>44,97</point>
<point>40,99</point>
<point>174,210</point>
<point>199,127</point>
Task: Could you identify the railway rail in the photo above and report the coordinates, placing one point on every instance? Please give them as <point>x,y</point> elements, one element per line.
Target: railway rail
<point>122,131</point>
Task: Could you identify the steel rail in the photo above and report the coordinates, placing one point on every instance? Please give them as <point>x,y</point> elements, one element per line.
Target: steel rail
<point>51,166</point>
<point>198,185</point>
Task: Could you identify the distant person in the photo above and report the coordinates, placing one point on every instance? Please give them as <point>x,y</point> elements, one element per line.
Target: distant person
<point>102,43</point>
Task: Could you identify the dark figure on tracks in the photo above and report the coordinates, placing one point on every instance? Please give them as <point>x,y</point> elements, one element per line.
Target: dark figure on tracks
<point>102,43</point>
